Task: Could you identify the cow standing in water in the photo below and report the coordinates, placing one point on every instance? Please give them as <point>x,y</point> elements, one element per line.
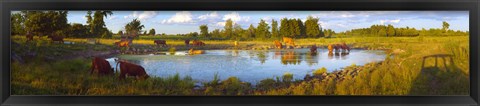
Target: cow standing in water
<point>198,43</point>
<point>313,49</point>
<point>160,42</point>
<point>277,44</point>
<point>131,69</point>
<point>101,66</point>
<point>345,48</point>
<point>288,41</point>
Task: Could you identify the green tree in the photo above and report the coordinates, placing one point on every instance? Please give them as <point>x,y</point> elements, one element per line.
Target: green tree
<point>275,32</point>
<point>120,32</point>
<point>312,28</point>
<point>97,23</point>
<point>251,31</point>
<point>390,30</point>
<point>445,26</point>
<point>285,27</point>
<point>152,32</point>
<point>262,30</point>
<point>46,22</point>
<point>17,24</point>
<point>228,28</point>
<point>237,32</point>
<point>204,31</point>
<point>79,30</point>
<point>133,28</point>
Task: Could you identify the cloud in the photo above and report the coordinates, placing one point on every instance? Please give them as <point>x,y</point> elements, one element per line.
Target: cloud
<point>209,15</point>
<point>112,17</point>
<point>180,17</point>
<point>235,17</point>
<point>221,24</point>
<point>390,21</point>
<point>142,15</point>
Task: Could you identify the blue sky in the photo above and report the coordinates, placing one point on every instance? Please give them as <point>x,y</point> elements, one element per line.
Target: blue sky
<point>174,22</point>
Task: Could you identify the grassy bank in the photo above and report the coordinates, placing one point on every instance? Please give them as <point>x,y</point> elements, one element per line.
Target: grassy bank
<point>407,73</point>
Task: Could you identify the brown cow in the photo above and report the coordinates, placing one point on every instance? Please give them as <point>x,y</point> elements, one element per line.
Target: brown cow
<point>101,66</point>
<point>313,49</point>
<point>29,37</point>
<point>277,44</point>
<point>345,48</point>
<point>56,38</point>
<point>130,69</point>
<point>289,41</point>
<point>198,43</point>
<point>122,43</point>
<point>187,42</point>
<point>160,42</point>
<point>192,52</point>
<point>330,48</point>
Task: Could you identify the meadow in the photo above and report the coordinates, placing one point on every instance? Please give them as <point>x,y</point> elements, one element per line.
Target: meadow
<point>420,65</point>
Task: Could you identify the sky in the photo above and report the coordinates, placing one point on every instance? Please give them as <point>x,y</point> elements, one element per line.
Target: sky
<point>180,22</point>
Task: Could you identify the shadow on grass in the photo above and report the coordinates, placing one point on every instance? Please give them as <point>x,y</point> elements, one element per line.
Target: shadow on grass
<point>440,76</point>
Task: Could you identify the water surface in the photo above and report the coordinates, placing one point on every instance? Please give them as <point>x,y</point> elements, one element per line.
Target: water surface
<point>249,65</point>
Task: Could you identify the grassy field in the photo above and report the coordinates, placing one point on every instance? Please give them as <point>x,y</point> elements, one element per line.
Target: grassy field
<point>407,73</point>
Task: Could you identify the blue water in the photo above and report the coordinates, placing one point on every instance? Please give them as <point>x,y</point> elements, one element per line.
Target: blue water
<point>249,65</point>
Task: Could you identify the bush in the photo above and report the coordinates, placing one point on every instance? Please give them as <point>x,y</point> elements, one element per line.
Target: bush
<point>320,71</point>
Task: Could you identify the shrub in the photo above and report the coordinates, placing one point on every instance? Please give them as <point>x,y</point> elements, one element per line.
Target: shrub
<point>320,71</point>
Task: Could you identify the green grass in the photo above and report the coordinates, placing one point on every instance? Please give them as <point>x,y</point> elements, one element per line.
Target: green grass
<point>402,74</point>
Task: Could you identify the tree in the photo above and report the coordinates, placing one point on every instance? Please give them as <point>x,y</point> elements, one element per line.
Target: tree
<point>275,33</point>
<point>228,28</point>
<point>204,31</point>
<point>79,30</point>
<point>251,31</point>
<point>120,32</point>
<point>312,28</point>
<point>390,30</point>
<point>237,32</point>
<point>152,32</point>
<point>144,32</point>
<point>262,30</point>
<point>445,26</point>
<point>133,28</point>
<point>97,23</point>
<point>17,24</point>
<point>46,22</point>
<point>215,33</point>
<point>285,27</point>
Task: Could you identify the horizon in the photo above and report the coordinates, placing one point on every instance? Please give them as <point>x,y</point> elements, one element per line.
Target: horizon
<point>339,21</point>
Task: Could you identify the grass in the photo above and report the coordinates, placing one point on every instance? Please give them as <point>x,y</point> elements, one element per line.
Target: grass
<point>403,74</point>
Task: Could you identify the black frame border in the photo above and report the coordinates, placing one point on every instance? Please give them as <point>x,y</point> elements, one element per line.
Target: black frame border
<point>247,5</point>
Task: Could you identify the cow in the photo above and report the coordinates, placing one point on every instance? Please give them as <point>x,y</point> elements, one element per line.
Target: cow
<point>101,66</point>
<point>313,49</point>
<point>330,48</point>
<point>235,43</point>
<point>29,37</point>
<point>187,42</point>
<point>192,52</point>
<point>198,43</point>
<point>277,44</point>
<point>130,69</point>
<point>122,43</point>
<point>56,38</point>
<point>288,41</point>
<point>160,42</point>
<point>345,48</point>
<point>337,47</point>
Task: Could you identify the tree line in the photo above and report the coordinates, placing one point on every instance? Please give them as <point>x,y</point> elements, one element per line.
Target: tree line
<point>391,31</point>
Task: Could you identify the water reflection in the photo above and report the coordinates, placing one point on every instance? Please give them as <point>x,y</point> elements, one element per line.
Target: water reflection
<point>250,65</point>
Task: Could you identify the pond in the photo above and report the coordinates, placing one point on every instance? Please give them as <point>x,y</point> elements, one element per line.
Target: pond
<point>249,65</point>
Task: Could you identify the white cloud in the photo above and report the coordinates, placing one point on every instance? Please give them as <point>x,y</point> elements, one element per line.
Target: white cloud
<point>209,15</point>
<point>180,17</point>
<point>142,15</point>
<point>220,24</point>
<point>112,17</point>
<point>235,17</point>
<point>389,21</point>
<point>347,15</point>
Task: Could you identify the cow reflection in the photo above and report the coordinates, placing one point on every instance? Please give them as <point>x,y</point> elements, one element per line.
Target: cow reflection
<point>337,55</point>
<point>311,59</point>
<point>290,58</point>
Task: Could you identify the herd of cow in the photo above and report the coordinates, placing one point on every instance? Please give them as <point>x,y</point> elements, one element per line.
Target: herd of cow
<point>102,67</point>
<point>339,48</point>
<point>53,38</point>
